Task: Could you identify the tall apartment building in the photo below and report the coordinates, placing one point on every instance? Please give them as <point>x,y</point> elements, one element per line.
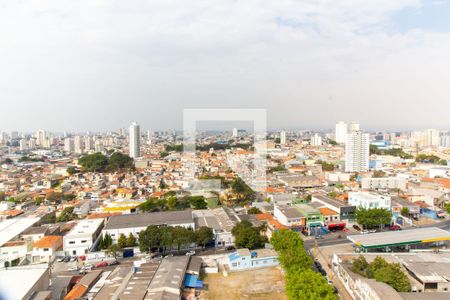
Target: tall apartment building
<point>78,144</point>
<point>149,136</point>
<point>135,140</point>
<point>68,145</point>
<point>41,136</point>
<point>340,132</point>
<point>235,132</point>
<point>316,140</point>
<point>283,137</point>
<point>354,126</point>
<point>357,152</point>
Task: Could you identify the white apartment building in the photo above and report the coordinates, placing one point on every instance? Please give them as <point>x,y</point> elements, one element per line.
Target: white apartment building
<point>369,200</point>
<point>135,140</point>
<point>23,144</point>
<point>384,183</point>
<point>68,145</point>
<point>235,132</point>
<point>357,152</point>
<point>340,132</point>
<point>78,144</point>
<point>149,136</point>
<point>316,140</point>
<point>81,238</point>
<point>283,137</point>
<point>354,126</point>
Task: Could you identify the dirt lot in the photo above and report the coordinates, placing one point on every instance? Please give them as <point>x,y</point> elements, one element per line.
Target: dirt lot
<point>267,283</point>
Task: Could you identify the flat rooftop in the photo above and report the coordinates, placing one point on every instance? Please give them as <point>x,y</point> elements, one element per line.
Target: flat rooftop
<point>11,228</point>
<point>329,200</point>
<point>86,226</point>
<point>146,219</point>
<point>398,238</point>
<point>16,282</point>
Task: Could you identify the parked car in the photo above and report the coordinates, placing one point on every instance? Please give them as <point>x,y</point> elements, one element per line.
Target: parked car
<point>88,267</point>
<point>365,231</point>
<point>82,271</point>
<point>190,253</point>
<point>82,257</point>
<point>61,259</point>
<point>66,259</point>
<point>113,263</point>
<point>74,258</point>
<point>230,248</point>
<point>101,264</point>
<point>74,268</point>
<point>395,227</point>
<point>357,227</point>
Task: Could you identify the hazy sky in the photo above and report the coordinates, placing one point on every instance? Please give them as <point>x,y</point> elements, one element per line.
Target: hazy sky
<point>99,65</point>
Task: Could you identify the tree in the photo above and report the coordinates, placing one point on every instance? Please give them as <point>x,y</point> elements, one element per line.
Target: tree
<point>253,211</point>
<point>2,196</point>
<point>171,202</point>
<point>203,236</point>
<point>290,248</point>
<point>447,207</point>
<point>114,250</point>
<point>374,217</point>
<point>247,236</point>
<point>307,284</point>
<point>332,194</point>
<point>182,236</point>
<point>150,238</point>
<point>96,162</point>
<point>67,215</point>
<point>198,202</point>
<point>393,275</point>
<point>131,240</point>
<point>375,265</point>
<point>326,166</point>
<point>118,161</point>
<point>360,265</point>
<point>71,170</point>
<point>405,211</point>
<point>107,241</point>
<point>122,241</point>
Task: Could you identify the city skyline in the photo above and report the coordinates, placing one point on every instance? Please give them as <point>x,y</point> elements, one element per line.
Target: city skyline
<point>98,66</point>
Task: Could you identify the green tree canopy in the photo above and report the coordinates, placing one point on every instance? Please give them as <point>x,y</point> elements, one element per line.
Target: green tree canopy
<point>122,241</point>
<point>371,218</point>
<point>203,236</point>
<point>198,202</point>
<point>67,215</point>
<point>247,236</point>
<point>253,211</point>
<point>308,285</point>
<point>131,240</point>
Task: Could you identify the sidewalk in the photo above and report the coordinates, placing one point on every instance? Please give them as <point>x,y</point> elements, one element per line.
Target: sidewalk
<point>324,261</point>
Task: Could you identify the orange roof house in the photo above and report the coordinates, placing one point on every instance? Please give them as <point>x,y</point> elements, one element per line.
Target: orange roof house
<point>50,241</point>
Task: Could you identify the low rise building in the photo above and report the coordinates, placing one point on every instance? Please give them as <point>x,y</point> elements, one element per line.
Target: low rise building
<point>135,223</point>
<point>83,236</point>
<point>44,250</point>
<point>244,259</point>
<point>383,183</point>
<point>369,200</point>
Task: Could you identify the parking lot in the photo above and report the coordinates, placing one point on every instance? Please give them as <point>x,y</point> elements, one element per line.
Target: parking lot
<point>266,283</point>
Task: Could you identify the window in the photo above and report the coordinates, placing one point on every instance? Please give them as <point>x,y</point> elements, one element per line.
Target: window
<point>234,264</point>
<point>72,242</point>
<point>46,249</point>
<point>83,241</point>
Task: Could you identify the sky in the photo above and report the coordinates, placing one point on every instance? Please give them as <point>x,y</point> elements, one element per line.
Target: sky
<point>99,65</point>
